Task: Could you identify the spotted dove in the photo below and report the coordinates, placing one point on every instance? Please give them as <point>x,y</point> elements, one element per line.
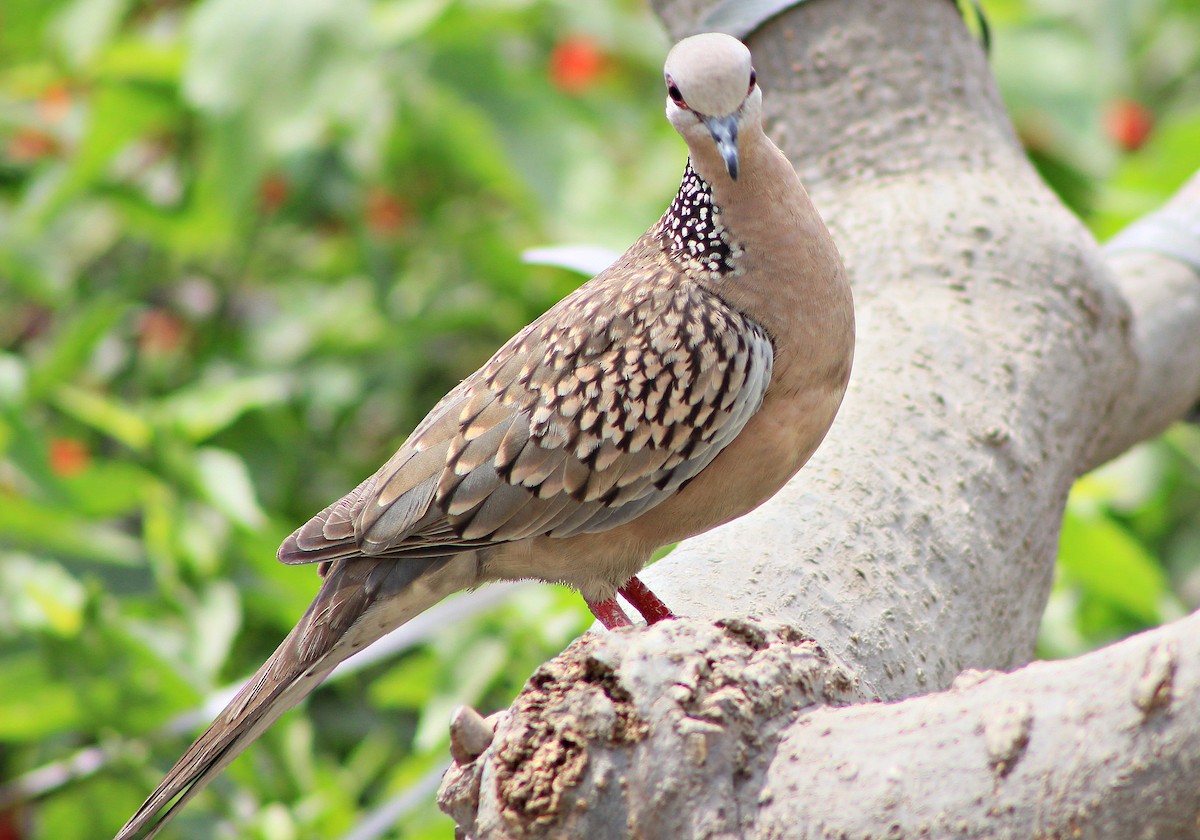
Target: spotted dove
<point>678,389</point>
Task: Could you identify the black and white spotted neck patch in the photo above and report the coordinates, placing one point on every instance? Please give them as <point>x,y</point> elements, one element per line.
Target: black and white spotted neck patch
<point>691,230</point>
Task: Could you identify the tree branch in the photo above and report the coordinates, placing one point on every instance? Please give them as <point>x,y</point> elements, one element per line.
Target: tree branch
<point>720,739</point>
<point>614,739</point>
<point>1163,294</point>
<point>1076,748</point>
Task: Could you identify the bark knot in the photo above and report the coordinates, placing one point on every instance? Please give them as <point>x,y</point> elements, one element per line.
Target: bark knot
<point>568,703</point>
<point>1153,690</point>
<point>1006,731</point>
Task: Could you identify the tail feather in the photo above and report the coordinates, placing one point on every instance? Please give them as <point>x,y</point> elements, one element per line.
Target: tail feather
<point>212,752</point>
<point>360,601</point>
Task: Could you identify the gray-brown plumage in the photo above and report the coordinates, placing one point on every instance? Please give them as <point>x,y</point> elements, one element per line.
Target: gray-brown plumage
<point>676,390</point>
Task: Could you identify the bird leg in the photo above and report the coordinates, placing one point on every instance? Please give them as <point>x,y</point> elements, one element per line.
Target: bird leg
<point>645,601</point>
<point>609,613</point>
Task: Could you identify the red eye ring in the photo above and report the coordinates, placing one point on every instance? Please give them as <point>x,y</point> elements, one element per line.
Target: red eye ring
<point>674,93</point>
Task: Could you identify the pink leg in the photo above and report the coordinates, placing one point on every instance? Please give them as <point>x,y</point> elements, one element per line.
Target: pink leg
<point>645,601</point>
<point>609,613</point>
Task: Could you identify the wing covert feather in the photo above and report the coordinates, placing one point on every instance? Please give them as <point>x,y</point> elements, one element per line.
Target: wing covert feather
<point>586,419</point>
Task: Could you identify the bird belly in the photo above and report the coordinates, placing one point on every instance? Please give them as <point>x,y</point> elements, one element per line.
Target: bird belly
<point>773,446</point>
<point>594,564</point>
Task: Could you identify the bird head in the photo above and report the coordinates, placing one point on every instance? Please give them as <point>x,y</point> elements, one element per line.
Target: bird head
<point>712,93</point>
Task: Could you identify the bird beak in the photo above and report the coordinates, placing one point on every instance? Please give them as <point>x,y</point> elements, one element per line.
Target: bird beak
<point>724,132</point>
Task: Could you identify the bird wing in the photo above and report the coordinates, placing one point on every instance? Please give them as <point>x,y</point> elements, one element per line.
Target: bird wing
<point>586,419</point>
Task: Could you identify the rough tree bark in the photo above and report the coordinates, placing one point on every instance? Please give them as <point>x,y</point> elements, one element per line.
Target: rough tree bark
<point>1001,354</point>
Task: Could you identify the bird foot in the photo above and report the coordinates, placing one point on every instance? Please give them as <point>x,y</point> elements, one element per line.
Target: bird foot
<point>610,614</point>
<point>644,601</point>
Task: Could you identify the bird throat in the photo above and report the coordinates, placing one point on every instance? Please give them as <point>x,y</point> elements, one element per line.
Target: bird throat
<point>692,234</point>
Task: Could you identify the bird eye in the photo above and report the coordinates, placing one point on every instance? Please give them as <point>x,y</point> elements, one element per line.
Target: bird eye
<point>673,92</point>
<point>753,80</point>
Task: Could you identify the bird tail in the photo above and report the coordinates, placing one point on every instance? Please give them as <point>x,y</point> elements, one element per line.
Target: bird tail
<point>361,600</point>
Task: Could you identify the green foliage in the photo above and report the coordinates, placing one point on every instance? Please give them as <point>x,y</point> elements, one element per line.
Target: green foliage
<point>245,246</point>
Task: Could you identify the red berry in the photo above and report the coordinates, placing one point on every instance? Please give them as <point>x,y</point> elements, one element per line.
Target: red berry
<point>272,193</point>
<point>1128,123</point>
<point>159,333</point>
<point>575,64</point>
<point>29,144</point>
<point>385,212</point>
<point>55,102</point>
<point>68,457</point>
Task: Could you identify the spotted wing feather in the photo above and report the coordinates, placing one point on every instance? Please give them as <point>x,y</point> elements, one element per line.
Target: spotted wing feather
<point>585,420</point>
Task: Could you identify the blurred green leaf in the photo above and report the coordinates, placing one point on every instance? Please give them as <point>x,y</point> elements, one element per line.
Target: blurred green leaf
<point>109,488</point>
<point>228,485</point>
<point>200,411</point>
<point>42,706</point>
<point>84,26</point>
<point>1100,556</point>
<point>403,20</point>
<point>157,64</point>
<point>407,684</point>
<point>58,530</point>
<point>104,414</point>
<point>14,378</point>
<point>37,594</point>
<point>216,620</point>
<point>78,338</point>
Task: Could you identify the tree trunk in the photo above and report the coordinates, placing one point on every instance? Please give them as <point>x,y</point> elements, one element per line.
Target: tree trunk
<point>1001,353</point>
